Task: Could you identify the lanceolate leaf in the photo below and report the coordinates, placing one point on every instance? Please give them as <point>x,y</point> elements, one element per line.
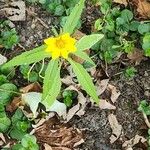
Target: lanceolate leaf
<point>74,17</point>
<point>88,41</point>
<point>84,56</point>
<point>84,79</point>
<point>28,57</point>
<point>52,83</point>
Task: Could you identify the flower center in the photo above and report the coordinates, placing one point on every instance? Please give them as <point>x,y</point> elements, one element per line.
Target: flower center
<point>60,43</point>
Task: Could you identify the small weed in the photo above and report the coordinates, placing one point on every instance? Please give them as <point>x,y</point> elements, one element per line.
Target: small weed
<point>120,30</point>
<point>130,73</point>
<point>8,36</point>
<point>28,142</point>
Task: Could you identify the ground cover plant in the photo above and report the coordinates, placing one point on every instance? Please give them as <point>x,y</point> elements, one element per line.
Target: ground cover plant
<point>74,75</point>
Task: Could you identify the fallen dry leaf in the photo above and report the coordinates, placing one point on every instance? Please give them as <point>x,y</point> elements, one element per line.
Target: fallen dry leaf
<point>3,59</point>
<point>135,140</point>
<point>2,137</point>
<point>124,2</point>
<point>79,108</point>
<point>67,80</point>
<point>15,11</point>
<point>136,56</point>
<point>114,93</point>
<point>116,128</point>
<point>1,46</point>
<point>1,142</point>
<point>106,105</point>
<point>47,147</point>
<point>101,86</point>
<point>34,87</point>
<point>78,35</point>
<point>143,8</point>
<point>57,135</point>
<point>14,104</point>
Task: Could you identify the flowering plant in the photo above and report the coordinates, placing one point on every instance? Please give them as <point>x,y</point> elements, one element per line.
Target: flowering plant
<point>61,46</point>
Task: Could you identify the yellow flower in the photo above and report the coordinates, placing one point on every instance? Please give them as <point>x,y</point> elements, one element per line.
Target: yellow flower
<point>60,46</point>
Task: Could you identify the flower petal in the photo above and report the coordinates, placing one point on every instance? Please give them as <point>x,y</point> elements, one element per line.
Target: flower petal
<point>56,54</point>
<point>64,53</point>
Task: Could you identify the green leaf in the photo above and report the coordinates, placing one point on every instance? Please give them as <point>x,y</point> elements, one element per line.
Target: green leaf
<point>59,10</point>
<point>17,146</point>
<point>4,122</point>
<point>28,57</point>
<point>17,134</point>
<point>98,24</point>
<point>147,52</point>
<point>52,83</point>
<point>3,79</point>
<point>84,56</point>
<point>144,28</point>
<point>88,41</point>
<point>146,38</point>
<point>6,92</point>
<point>29,142</point>
<point>84,79</point>
<point>17,116</point>
<point>134,25</point>
<point>73,18</point>
<point>127,15</point>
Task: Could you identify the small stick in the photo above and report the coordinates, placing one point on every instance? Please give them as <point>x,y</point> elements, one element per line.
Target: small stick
<point>146,120</point>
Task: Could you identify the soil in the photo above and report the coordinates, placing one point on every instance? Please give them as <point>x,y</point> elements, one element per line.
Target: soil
<point>94,122</point>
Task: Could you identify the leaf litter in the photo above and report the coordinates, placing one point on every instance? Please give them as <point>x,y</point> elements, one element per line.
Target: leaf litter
<point>135,140</point>
<point>58,136</point>
<point>116,128</point>
<point>15,11</point>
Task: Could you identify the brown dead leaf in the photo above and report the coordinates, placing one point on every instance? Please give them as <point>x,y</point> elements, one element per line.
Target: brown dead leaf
<point>143,8</point>
<point>1,142</point>
<point>135,140</point>
<point>3,59</point>
<point>136,56</point>
<point>2,138</point>
<point>15,11</point>
<point>57,135</point>
<point>114,92</point>
<point>101,86</point>
<point>78,109</point>
<point>78,35</point>
<point>14,104</point>
<point>106,105</point>
<point>48,147</point>
<point>34,87</point>
<point>116,128</point>
<point>67,80</point>
<point>124,2</point>
<point>1,46</point>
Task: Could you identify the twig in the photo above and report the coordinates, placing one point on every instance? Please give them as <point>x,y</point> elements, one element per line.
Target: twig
<point>146,120</point>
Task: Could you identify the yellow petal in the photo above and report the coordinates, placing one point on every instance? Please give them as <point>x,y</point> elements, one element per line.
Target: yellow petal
<point>65,36</point>
<point>48,49</point>
<point>49,41</point>
<point>64,53</point>
<point>55,54</point>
